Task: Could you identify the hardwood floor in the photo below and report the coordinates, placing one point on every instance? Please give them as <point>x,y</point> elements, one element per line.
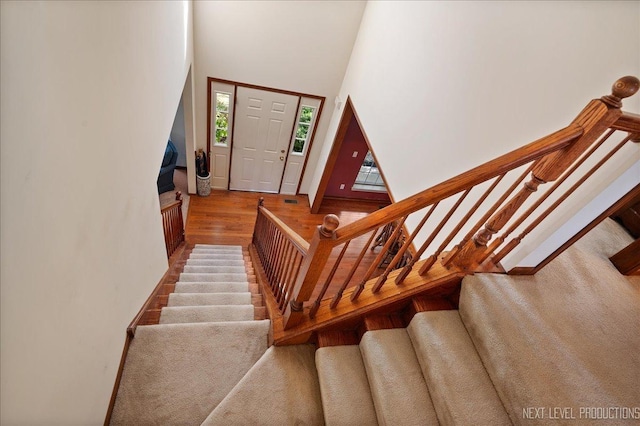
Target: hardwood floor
<point>228,217</point>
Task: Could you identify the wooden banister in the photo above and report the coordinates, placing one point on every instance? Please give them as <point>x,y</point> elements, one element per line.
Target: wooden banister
<point>294,267</point>
<point>491,169</point>
<point>311,269</point>
<point>173,225</point>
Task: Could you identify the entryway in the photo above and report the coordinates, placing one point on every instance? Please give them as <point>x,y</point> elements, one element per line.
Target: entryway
<point>263,127</point>
<point>259,138</point>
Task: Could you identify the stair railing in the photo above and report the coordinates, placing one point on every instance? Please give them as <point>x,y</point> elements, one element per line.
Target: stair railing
<point>173,225</point>
<point>476,205</point>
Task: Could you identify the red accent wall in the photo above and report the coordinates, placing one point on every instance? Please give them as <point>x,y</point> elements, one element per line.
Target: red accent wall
<point>347,167</point>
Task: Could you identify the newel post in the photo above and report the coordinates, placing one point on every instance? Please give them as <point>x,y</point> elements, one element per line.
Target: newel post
<point>310,270</point>
<point>594,119</point>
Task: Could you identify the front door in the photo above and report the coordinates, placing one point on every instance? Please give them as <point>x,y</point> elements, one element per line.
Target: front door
<point>263,129</point>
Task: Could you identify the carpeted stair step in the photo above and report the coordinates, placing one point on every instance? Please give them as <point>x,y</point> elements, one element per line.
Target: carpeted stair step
<point>458,383</point>
<point>346,396</point>
<point>202,250</point>
<point>213,277</point>
<point>222,256</point>
<point>177,374</point>
<point>218,246</point>
<point>564,337</point>
<point>280,389</point>
<point>194,314</point>
<point>210,287</point>
<point>191,269</point>
<point>399,391</point>
<point>201,299</point>
<point>215,262</point>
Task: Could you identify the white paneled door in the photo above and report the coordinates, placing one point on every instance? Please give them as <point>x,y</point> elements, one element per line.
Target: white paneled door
<point>262,132</point>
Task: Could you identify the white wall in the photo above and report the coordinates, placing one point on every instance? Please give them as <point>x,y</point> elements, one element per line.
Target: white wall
<point>468,81</point>
<point>89,91</point>
<point>178,135</point>
<point>296,46</point>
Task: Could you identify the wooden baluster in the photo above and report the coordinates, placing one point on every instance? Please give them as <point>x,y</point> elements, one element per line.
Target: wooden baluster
<point>502,238</point>
<point>288,275</point>
<point>278,263</point>
<point>405,271</point>
<point>297,262</point>
<point>273,253</point>
<point>374,265</point>
<point>595,119</point>
<point>316,304</point>
<point>405,246</point>
<point>312,266</point>
<point>285,275</point>
<point>338,295</point>
<point>456,250</point>
<point>432,259</point>
<point>514,243</point>
<point>428,241</point>
<point>469,255</point>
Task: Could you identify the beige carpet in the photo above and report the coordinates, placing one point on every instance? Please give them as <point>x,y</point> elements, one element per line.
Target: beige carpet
<point>566,339</point>
<point>176,374</point>
<point>281,389</point>
<point>551,349</point>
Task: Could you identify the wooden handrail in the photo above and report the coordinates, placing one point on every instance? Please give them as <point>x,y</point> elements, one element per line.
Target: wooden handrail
<point>548,159</point>
<point>514,159</point>
<point>628,122</point>
<point>173,225</point>
<point>300,243</point>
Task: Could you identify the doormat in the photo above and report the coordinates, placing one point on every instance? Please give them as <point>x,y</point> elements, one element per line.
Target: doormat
<point>289,201</point>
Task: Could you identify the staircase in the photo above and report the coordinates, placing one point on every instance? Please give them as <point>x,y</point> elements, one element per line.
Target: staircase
<point>560,347</point>
<point>207,338</point>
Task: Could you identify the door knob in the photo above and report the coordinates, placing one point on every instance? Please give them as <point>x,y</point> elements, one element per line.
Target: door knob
<point>281,158</point>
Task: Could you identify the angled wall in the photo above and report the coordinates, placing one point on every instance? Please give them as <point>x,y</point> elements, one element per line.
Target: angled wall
<point>89,91</point>
<point>441,87</point>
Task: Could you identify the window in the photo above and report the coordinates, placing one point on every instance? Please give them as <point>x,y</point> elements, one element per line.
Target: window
<point>369,177</point>
<point>303,131</point>
<point>222,117</point>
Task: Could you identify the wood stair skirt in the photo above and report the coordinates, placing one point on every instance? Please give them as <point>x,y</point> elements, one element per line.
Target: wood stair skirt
<point>556,348</point>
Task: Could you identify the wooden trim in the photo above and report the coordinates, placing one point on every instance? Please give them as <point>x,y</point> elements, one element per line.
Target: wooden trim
<point>345,119</point>
<point>233,137</point>
<point>390,297</point>
<point>171,206</point>
<point>530,270</point>
<point>348,113</point>
<point>375,158</point>
<point>208,121</point>
<point>131,329</point>
<point>627,122</point>
<point>512,160</point>
<point>311,140</point>
<point>627,260</point>
<point>237,84</point>
<point>269,89</point>
<point>337,338</point>
<point>294,129</point>
<point>383,322</point>
<point>116,386</point>
<point>300,243</point>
